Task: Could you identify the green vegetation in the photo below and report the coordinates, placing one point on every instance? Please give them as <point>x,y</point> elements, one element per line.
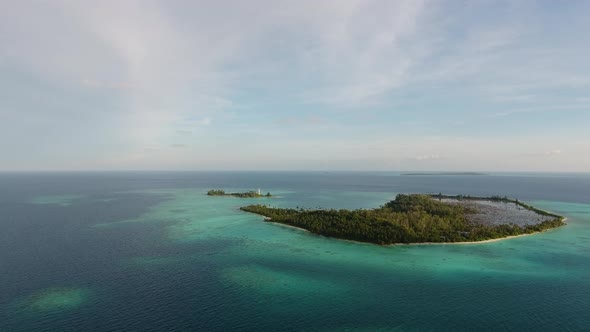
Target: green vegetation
<point>248,194</point>
<point>216,192</point>
<point>407,219</point>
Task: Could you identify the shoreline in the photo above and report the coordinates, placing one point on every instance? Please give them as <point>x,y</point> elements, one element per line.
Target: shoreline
<point>268,220</point>
<point>298,228</point>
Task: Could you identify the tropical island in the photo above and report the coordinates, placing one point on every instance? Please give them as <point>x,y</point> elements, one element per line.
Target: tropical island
<point>420,218</point>
<point>247,194</point>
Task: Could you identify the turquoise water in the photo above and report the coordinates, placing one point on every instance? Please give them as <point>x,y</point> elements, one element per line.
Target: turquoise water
<point>151,251</point>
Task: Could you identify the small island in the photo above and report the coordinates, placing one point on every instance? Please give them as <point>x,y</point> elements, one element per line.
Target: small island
<point>248,194</point>
<point>420,218</point>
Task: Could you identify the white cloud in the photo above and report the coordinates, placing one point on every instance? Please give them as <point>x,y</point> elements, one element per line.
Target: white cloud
<point>553,152</point>
<point>562,108</point>
<point>168,67</point>
<point>427,157</point>
<point>523,98</point>
<point>365,53</point>
<point>204,122</point>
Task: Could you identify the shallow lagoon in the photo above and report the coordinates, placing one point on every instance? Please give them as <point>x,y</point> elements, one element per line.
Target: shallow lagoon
<point>163,255</point>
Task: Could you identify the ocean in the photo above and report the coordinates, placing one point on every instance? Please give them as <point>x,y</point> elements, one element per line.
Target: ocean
<point>149,251</point>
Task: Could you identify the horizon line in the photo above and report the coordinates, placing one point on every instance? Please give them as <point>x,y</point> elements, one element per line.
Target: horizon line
<point>292,170</point>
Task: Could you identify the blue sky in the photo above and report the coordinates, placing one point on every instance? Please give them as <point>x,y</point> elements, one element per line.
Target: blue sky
<point>295,85</point>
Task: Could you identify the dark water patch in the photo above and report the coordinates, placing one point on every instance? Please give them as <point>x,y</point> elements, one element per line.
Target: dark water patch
<point>40,244</point>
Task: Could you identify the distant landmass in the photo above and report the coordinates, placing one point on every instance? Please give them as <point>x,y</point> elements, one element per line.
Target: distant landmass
<point>445,173</point>
<point>420,218</point>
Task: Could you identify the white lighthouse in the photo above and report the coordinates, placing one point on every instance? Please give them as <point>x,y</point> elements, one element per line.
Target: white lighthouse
<point>259,194</point>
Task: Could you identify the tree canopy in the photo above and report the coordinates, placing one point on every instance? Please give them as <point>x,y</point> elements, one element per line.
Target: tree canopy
<point>412,218</point>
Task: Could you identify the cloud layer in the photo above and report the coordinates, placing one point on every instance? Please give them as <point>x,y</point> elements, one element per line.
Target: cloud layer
<point>430,85</point>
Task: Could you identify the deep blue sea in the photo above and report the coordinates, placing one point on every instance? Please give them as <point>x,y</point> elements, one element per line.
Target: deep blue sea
<point>149,251</point>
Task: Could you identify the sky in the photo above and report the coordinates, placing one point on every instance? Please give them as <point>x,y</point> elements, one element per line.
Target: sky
<point>295,85</point>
